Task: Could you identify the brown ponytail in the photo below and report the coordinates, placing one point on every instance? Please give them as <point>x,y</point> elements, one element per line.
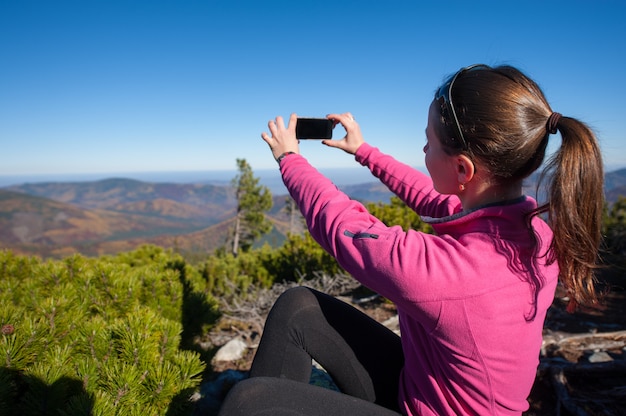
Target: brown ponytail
<point>575,209</point>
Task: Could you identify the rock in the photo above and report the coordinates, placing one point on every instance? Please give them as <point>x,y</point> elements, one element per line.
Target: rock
<point>213,392</point>
<point>600,357</point>
<point>393,323</point>
<point>233,350</point>
<point>321,378</point>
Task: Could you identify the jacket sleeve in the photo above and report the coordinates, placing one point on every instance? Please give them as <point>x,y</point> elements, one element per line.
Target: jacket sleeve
<point>409,184</point>
<point>388,260</point>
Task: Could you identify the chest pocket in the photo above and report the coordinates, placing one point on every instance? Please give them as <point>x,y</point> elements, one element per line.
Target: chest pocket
<point>359,236</point>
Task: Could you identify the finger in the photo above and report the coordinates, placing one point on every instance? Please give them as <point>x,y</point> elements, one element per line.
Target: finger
<point>346,119</point>
<point>293,120</point>
<point>343,116</point>
<point>280,123</point>
<point>272,126</point>
<point>334,143</point>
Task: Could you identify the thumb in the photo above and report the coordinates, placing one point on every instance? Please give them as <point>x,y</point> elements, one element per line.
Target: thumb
<point>333,143</point>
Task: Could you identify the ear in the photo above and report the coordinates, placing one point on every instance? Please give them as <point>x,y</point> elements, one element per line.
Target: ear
<point>465,169</point>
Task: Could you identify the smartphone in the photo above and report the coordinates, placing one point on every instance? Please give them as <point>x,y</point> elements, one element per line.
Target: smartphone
<point>314,128</point>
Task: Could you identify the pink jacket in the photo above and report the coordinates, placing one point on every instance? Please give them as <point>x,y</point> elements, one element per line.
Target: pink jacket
<point>466,310</point>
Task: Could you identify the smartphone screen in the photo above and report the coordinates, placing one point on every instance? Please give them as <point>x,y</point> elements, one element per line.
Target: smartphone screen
<point>314,128</point>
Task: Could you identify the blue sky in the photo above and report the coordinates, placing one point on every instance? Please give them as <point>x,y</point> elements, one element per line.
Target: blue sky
<point>103,87</point>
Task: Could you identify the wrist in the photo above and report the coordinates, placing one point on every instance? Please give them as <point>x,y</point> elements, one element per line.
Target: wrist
<point>284,155</point>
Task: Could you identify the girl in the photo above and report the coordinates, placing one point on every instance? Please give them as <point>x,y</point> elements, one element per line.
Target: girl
<point>472,298</point>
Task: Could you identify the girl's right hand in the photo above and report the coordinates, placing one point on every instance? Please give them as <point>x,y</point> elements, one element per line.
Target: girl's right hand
<point>282,139</point>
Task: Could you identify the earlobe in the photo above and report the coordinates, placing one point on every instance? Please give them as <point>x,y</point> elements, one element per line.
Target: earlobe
<point>465,169</point>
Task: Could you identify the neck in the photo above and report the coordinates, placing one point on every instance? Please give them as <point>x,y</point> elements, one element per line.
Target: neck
<point>477,194</point>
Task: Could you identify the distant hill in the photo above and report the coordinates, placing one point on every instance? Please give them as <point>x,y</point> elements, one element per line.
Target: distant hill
<point>36,225</point>
<point>615,179</point>
<point>107,193</point>
<point>368,192</point>
<point>56,219</point>
<point>615,185</point>
<point>53,219</point>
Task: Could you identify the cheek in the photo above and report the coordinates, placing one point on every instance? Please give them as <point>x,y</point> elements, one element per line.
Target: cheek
<point>431,163</point>
<point>432,168</point>
<point>443,182</point>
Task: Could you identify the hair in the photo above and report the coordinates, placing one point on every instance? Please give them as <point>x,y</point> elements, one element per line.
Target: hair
<point>503,116</point>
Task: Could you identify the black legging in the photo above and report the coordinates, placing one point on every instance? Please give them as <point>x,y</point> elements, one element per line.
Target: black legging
<point>363,357</point>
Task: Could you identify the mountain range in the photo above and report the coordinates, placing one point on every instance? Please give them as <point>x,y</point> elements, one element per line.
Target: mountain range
<point>57,219</point>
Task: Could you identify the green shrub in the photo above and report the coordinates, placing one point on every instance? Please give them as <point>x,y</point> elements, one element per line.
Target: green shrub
<point>397,212</point>
<point>225,274</point>
<point>100,336</point>
<point>300,256</point>
<point>614,229</point>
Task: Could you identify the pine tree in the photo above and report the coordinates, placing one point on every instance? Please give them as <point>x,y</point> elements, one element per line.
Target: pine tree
<point>253,200</point>
<point>100,336</point>
<point>297,223</point>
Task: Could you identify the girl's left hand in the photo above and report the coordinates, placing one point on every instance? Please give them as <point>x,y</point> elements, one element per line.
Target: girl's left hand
<point>353,138</point>
<point>283,139</point>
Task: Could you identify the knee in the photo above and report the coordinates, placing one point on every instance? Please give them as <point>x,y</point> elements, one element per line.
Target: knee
<point>247,396</point>
<point>294,299</point>
<point>297,295</point>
